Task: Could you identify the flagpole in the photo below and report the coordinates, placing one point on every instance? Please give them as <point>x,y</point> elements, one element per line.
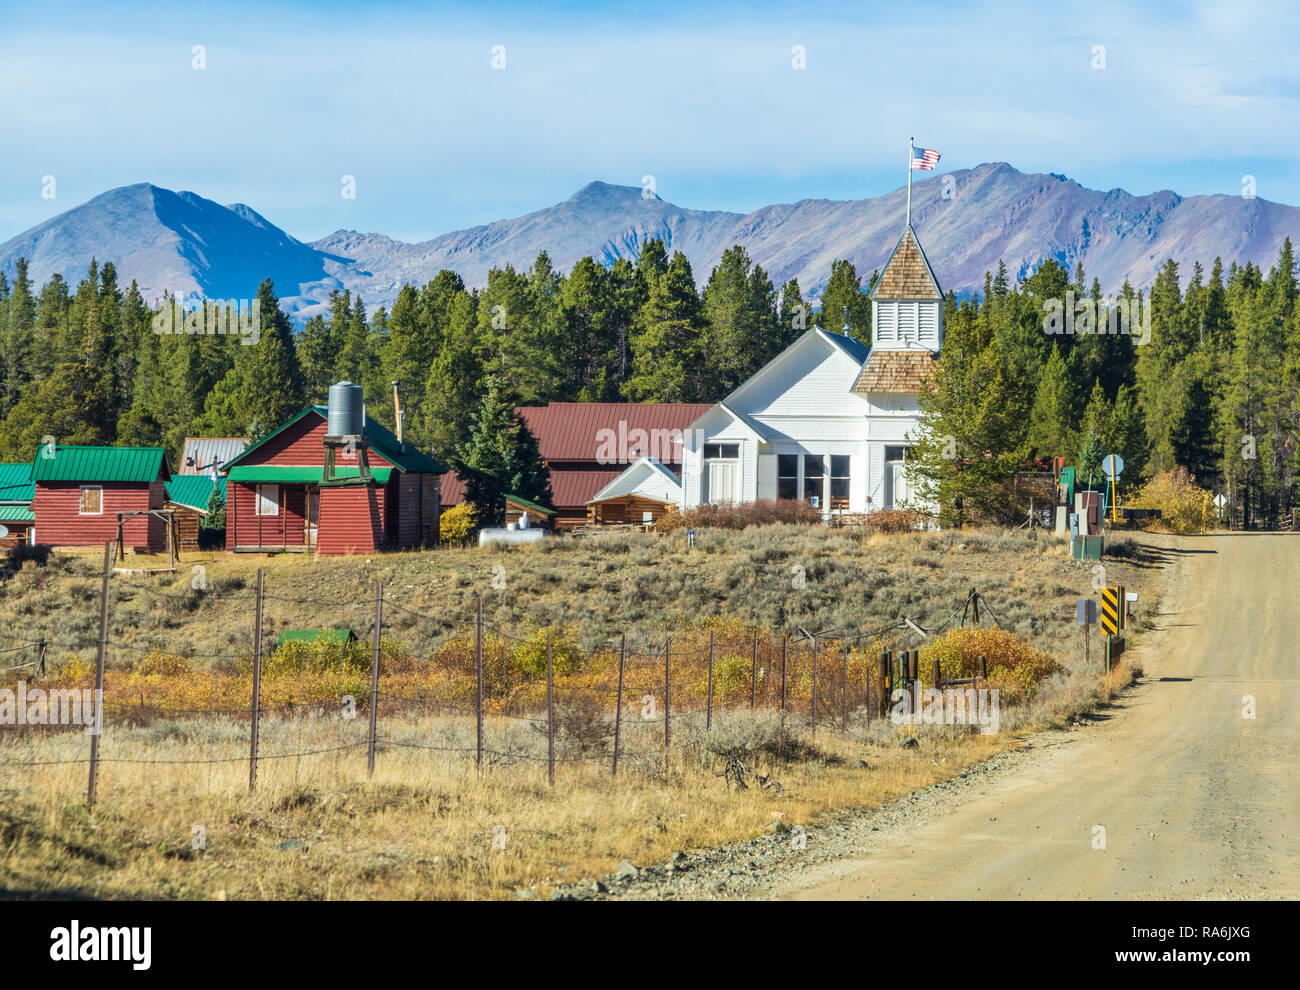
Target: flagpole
<point>910,151</point>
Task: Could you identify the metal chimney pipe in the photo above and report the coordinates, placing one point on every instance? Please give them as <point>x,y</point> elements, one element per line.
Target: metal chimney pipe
<point>397,416</point>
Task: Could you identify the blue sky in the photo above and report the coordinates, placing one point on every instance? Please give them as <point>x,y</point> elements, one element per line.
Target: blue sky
<point>704,97</point>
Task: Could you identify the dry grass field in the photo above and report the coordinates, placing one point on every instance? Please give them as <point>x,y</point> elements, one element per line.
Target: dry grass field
<point>181,822</point>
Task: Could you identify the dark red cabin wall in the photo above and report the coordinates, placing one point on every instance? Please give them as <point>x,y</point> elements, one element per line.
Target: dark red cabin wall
<point>287,529</point>
<point>351,520</point>
<point>304,443</point>
<point>56,506</point>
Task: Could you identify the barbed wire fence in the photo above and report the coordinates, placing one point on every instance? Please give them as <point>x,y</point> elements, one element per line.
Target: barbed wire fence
<point>617,708</point>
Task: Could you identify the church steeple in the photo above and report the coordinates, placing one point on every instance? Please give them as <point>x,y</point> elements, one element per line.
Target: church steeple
<point>906,301</point>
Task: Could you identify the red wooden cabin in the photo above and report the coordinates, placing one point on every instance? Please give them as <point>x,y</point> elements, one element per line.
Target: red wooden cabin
<point>78,492</point>
<point>278,498</point>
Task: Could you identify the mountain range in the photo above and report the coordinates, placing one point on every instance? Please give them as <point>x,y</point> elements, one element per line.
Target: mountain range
<point>967,220</point>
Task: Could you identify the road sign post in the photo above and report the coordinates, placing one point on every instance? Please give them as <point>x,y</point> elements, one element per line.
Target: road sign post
<point>1086,615</point>
<point>1112,465</point>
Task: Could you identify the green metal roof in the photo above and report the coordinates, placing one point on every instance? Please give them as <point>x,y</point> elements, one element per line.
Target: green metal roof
<point>378,437</point>
<point>316,635</point>
<point>191,489</point>
<point>289,474</point>
<point>530,505</point>
<point>141,465</point>
<point>16,483</point>
<point>16,513</point>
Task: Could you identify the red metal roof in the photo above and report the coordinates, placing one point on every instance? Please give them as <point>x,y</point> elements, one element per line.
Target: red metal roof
<point>571,489</point>
<point>571,431</point>
<point>451,490</point>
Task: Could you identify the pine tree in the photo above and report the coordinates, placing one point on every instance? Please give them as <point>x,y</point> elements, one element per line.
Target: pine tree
<point>500,458</point>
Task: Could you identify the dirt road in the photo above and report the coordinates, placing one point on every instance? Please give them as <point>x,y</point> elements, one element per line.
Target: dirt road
<point>1195,800</point>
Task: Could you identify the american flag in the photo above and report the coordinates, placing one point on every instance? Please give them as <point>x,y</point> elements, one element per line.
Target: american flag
<point>924,159</point>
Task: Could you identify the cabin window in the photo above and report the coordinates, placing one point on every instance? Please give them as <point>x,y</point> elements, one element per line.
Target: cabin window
<point>896,453</point>
<point>787,476</point>
<point>814,470</point>
<point>722,451</point>
<point>268,500</point>
<point>92,501</point>
<point>839,481</point>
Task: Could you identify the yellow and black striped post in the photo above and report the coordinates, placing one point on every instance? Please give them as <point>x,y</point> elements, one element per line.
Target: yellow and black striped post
<point>1110,610</point>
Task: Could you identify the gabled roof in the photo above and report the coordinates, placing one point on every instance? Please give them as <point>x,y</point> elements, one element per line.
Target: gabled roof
<point>851,347</point>
<point>379,438</point>
<point>200,453</point>
<point>649,478</point>
<point>907,274</point>
<point>895,371</point>
<point>568,431</point>
<point>16,483</point>
<point>138,465</point>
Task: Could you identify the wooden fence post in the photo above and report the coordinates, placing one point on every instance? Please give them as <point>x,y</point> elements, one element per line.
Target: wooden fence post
<point>374,678</point>
<point>478,707</point>
<point>844,694</point>
<point>99,677</point>
<point>753,676</point>
<point>667,702</point>
<point>618,710</point>
<point>257,683</point>
<point>813,708</point>
<point>708,705</point>
<point>550,712</point>
<point>938,676</point>
<point>785,642</point>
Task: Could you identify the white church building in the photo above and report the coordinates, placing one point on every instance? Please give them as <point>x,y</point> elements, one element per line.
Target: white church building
<point>829,420</point>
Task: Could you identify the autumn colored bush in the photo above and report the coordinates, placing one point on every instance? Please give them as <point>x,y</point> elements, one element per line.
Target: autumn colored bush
<point>1184,505</point>
<point>763,512</point>
<point>457,524</point>
<point>1014,667</point>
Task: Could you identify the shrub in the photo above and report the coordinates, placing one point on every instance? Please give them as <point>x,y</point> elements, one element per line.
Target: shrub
<point>156,663</point>
<point>458,523</point>
<point>1014,666</point>
<point>763,512</point>
<point>1182,503</point>
<point>529,656</point>
<point>894,521</point>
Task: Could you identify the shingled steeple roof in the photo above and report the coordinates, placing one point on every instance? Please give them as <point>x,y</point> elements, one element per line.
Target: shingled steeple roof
<point>907,274</point>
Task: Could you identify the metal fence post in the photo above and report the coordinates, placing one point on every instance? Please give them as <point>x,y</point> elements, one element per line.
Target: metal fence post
<point>256,685</point>
<point>99,677</point>
<point>374,678</point>
<point>708,705</point>
<point>478,707</point>
<point>550,711</point>
<point>753,675</point>
<point>618,710</point>
<point>886,670</point>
